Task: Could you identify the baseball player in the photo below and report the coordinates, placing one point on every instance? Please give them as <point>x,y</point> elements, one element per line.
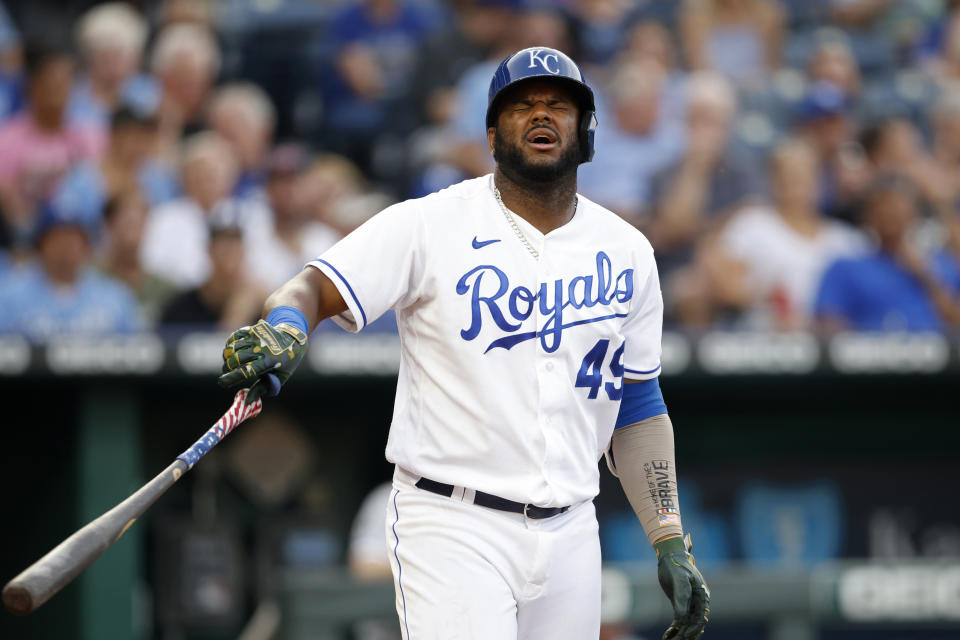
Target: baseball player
<point>530,323</point>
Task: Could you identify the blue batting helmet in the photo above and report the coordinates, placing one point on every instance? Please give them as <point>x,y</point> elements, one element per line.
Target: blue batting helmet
<point>546,63</point>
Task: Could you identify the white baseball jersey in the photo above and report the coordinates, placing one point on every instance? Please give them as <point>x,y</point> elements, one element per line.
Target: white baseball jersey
<point>512,367</point>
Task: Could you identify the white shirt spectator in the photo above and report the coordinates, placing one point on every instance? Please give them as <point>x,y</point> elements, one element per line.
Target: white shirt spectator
<point>783,266</point>
<point>177,234</point>
<point>273,262</point>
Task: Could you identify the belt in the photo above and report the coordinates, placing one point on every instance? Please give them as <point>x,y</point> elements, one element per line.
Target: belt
<point>493,502</point>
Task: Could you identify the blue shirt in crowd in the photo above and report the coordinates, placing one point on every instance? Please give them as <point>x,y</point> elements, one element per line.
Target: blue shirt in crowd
<point>394,43</point>
<point>140,91</point>
<point>621,173</point>
<point>84,190</point>
<point>876,293</point>
<point>32,306</point>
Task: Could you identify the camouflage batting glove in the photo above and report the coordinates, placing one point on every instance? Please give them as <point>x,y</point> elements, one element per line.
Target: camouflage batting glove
<point>688,592</point>
<point>264,355</point>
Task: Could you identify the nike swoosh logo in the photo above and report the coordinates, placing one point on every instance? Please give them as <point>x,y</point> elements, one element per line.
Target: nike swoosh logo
<point>478,244</point>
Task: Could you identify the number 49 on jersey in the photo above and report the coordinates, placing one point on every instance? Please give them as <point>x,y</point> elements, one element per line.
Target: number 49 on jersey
<point>591,370</point>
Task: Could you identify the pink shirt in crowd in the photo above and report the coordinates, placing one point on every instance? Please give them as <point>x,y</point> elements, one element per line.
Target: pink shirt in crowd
<point>33,160</point>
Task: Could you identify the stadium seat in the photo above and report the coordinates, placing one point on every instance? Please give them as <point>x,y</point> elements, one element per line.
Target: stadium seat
<point>789,525</point>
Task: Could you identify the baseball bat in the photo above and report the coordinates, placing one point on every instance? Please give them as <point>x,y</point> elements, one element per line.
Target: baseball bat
<point>45,577</point>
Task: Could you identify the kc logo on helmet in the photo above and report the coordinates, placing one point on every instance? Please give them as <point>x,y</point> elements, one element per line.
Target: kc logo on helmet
<point>536,55</point>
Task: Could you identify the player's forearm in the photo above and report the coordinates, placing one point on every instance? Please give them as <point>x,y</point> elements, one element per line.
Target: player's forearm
<point>312,293</point>
<point>644,458</point>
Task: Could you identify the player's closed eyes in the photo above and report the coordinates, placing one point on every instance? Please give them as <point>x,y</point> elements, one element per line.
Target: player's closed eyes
<point>557,105</point>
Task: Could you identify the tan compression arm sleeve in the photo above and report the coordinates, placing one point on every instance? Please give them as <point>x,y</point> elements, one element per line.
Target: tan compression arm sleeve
<point>643,459</point>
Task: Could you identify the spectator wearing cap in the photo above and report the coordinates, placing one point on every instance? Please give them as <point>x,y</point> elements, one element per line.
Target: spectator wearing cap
<point>175,241</point>
<point>130,163</point>
<point>295,237</point>
<point>38,146</point>
<point>242,113</point>
<point>891,288</point>
<point>825,119</point>
<point>226,298</point>
<point>710,180</point>
<point>59,292</point>
<point>124,221</point>
<point>111,38</point>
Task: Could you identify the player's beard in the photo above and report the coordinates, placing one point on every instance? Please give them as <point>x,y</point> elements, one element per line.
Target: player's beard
<point>511,161</point>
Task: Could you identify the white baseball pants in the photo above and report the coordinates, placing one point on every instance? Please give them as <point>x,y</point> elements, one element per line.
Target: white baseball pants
<point>466,572</point>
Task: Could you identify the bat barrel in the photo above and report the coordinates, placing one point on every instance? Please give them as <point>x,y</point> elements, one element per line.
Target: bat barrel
<point>45,577</point>
<point>17,599</point>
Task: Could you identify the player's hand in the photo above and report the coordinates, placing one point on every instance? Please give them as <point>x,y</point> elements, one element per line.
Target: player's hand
<point>264,355</point>
<point>688,592</point>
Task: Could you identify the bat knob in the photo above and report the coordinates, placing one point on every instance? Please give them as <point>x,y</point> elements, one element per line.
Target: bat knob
<point>272,384</point>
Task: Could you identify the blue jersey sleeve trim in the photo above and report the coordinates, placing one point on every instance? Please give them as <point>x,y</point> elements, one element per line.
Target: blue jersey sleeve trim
<point>290,315</point>
<point>363,314</point>
<point>641,400</point>
<point>642,373</point>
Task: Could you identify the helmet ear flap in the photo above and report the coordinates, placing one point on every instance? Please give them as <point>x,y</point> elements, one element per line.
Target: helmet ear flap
<point>588,128</point>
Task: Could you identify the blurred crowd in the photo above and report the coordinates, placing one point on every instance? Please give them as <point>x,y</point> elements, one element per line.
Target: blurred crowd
<point>164,165</point>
